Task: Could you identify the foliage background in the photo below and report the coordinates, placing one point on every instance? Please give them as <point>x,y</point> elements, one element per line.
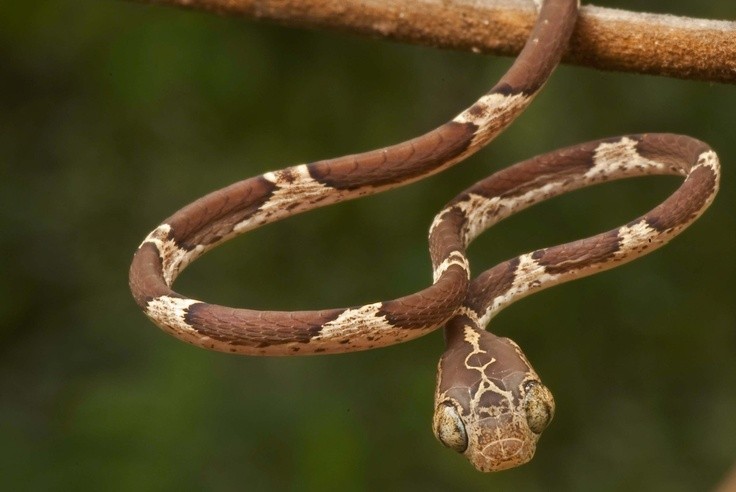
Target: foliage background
<point>114,114</point>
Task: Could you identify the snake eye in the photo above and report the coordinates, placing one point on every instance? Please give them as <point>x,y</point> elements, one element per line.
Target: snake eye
<point>539,406</point>
<point>449,427</point>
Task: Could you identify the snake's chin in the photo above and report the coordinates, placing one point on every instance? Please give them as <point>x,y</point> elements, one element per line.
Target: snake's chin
<point>500,443</point>
<point>502,455</point>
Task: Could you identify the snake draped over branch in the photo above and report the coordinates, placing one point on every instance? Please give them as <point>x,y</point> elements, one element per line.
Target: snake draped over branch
<point>490,404</point>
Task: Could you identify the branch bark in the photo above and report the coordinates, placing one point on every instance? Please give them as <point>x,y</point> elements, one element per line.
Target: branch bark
<point>728,484</point>
<point>606,39</point>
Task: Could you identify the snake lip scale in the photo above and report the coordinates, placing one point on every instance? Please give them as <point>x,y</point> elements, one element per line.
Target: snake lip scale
<point>490,404</point>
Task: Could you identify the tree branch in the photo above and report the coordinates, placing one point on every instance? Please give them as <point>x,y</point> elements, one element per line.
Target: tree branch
<point>606,39</point>
<point>728,484</point>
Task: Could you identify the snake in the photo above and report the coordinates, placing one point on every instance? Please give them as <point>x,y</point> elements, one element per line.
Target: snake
<point>490,404</point>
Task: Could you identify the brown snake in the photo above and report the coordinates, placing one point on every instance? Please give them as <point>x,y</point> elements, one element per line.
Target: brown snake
<point>489,404</point>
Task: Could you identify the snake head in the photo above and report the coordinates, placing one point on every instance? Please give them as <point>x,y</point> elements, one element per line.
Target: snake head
<point>489,404</point>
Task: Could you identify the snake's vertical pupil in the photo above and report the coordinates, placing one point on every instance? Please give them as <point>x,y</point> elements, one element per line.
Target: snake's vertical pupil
<point>449,427</point>
<point>539,405</point>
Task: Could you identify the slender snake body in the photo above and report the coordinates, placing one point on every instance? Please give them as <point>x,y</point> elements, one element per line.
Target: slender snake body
<point>489,404</point>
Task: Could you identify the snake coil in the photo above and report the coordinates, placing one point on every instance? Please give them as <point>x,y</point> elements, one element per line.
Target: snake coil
<point>489,403</point>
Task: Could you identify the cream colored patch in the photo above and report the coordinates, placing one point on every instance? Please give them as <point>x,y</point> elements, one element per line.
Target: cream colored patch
<point>491,114</point>
<point>473,338</point>
<point>492,105</point>
<point>455,258</point>
<point>620,158</point>
<point>709,159</point>
<point>363,328</point>
<point>156,235</point>
<point>173,258</point>
<point>483,212</point>
<point>169,313</point>
<point>633,237</point>
<point>438,219</point>
<point>354,321</point>
<point>528,277</point>
<point>296,191</point>
<point>472,315</point>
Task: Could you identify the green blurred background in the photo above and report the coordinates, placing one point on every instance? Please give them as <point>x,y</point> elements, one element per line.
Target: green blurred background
<point>114,114</point>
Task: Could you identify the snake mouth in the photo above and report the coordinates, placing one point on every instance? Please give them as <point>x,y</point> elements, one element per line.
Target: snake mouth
<point>500,443</point>
<point>502,454</point>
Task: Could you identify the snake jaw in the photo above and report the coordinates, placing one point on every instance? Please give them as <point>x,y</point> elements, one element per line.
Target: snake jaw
<point>501,443</point>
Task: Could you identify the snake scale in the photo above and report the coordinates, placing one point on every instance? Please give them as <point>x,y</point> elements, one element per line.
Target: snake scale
<point>490,404</point>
